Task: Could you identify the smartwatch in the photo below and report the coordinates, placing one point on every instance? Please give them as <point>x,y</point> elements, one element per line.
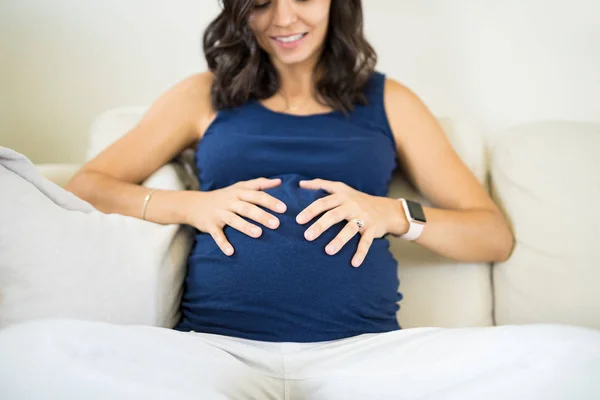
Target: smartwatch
<point>415,217</point>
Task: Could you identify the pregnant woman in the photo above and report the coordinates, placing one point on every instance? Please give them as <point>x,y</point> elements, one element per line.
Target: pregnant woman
<point>291,290</point>
<point>296,138</point>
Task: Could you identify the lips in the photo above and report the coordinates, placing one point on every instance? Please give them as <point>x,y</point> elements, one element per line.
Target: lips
<point>290,38</point>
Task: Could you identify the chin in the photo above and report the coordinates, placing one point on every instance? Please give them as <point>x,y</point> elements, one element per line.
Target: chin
<point>295,58</point>
<point>291,60</point>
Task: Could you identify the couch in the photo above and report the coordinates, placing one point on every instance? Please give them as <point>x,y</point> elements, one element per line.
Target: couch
<point>84,295</point>
<point>545,175</point>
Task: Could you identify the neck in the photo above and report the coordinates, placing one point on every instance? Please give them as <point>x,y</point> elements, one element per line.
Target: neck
<point>297,81</point>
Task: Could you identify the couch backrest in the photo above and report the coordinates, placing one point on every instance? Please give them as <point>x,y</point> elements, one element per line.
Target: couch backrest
<point>546,177</point>
<point>439,291</point>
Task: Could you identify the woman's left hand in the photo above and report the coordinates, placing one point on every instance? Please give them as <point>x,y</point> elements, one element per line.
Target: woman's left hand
<point>346,203</point>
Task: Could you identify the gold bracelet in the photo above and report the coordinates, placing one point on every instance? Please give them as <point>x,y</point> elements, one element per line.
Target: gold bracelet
<point>146,201</point>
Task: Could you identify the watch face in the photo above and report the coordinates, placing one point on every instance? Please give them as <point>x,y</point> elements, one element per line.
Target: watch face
<point>416,211</point>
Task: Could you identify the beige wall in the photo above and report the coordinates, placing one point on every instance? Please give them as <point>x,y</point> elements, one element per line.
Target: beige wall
<point>65,61</point>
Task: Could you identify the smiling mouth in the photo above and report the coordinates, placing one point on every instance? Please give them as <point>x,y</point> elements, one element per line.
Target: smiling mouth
<point>291,38</point>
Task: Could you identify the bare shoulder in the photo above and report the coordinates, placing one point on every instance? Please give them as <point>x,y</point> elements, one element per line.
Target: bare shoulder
<point>192,88</point>
<point>205,83</point>
<point>410,118</point>
<point>395,90</point>
<point>197,86</point>
<point>404,107</point>
<point>194,94</point>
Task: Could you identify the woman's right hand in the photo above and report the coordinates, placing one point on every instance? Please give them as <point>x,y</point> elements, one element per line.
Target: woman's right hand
<point>227,206</point>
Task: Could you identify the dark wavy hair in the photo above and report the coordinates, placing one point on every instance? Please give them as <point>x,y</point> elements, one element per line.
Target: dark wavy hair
<point>243,71</point>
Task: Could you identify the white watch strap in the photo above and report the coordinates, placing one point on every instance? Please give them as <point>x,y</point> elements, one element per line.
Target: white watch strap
<point>414,228</point>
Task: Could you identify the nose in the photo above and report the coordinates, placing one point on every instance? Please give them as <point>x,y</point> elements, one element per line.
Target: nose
<point>285,13</point>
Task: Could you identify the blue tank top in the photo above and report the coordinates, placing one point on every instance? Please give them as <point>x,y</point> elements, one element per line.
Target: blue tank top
<point>281,287</point>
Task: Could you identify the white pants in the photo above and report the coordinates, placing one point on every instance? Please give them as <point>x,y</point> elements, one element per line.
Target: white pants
<point>90,360</point>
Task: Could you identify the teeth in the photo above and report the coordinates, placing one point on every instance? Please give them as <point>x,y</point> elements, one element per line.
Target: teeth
<point>289,39</point>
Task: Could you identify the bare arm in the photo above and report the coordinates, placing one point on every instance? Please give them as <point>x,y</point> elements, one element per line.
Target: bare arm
<point>465,223</point>
<point>111,181</point>
<point>176,121</point>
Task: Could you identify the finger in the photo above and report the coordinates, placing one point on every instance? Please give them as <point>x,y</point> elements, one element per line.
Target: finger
<point>255,213</point>
<point>349,231</point>
<point>318,207</point>
<point>263,199</point>
<point>330,218</point>
<point>259,184</point>
<point>328,186</point>
<point>240,224</point>
<point>221,241</point>
<point>363,248</point>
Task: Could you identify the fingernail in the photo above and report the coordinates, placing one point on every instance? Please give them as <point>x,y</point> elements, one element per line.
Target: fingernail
<point>281,207</point>
<point>309,235</point>
<point>229,251</point>
<point>331,249</point>
<point>273,223</point>
<point>300,219</point>
<point>255,231</point>
<point>356,263</point>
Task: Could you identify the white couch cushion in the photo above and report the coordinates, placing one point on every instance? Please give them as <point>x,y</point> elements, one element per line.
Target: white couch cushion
<point>438,291</point>
<point>546,176</point>
<point>63,258</point>
<point>109,126</point>
<point>112,124</point>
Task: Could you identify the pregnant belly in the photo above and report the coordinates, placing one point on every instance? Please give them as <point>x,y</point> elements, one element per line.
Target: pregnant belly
<point>281,282</point>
